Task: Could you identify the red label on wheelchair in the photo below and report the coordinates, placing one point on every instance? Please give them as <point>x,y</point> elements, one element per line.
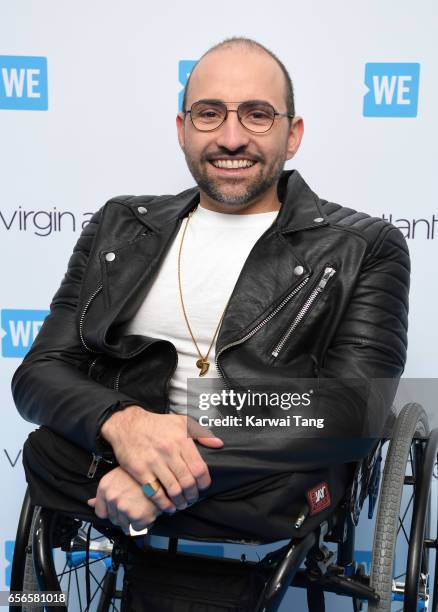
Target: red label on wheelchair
<point>318,498</point>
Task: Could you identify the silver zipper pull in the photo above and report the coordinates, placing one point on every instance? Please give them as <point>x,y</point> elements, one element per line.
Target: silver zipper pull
<point>328,273</point>
<point>93,466</point>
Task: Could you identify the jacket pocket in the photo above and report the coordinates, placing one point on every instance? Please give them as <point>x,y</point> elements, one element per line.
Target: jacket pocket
<point>308,305</point>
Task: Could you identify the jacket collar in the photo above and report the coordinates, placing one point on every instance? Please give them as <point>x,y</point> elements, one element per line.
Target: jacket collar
<point>300,208</point>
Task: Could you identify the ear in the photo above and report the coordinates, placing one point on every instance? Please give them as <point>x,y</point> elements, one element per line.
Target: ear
<point>296,132</point>
<point>180,128</point>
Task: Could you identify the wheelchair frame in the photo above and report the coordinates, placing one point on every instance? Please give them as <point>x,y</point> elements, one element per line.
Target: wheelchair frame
<point>322,573</point>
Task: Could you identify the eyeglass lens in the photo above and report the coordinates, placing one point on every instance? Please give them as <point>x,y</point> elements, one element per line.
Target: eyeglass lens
<point>255,116</point>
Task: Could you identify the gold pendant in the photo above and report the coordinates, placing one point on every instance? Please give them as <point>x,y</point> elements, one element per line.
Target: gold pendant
<point>203,365</point>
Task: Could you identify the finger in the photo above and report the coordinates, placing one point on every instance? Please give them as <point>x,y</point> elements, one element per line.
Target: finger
<point>185,479</point>
<point>122,508</point>
<point>196,464</point>
<point>100,507</point>
<point>170,491</point>
<point>112,512</point>
<point>91,502</point>
<point>140,521</point>
<point>123,522</point>
<point>117,516</point>
<point>211,442</point>
<point>202,434</point>
<point>161,499</point>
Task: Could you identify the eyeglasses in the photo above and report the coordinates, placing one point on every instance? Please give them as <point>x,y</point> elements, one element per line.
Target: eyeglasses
<point>255,115</point>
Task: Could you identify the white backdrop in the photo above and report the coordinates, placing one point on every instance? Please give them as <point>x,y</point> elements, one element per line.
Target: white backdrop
<point>112,96</point>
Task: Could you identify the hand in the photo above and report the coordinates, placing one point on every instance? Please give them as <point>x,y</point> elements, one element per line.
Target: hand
<point>121,499</point>
<point>150,446</point>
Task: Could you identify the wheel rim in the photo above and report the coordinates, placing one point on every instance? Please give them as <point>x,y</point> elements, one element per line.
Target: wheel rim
<point>86,564</point>
<point>413,467</point>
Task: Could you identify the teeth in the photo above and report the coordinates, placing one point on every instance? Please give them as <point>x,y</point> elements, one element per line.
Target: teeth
<point>233,163</point>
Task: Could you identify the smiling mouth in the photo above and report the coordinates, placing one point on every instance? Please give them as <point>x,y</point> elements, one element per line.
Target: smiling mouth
<point>232,164</point>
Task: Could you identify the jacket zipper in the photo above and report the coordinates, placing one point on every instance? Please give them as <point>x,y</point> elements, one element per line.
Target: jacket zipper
<point>92,364</point>
<point>260,325</point>
<point>328,273</point>
<point>98,458</point>
<point>95,464</point>
<point>84,312</point>
<point>117,378</point>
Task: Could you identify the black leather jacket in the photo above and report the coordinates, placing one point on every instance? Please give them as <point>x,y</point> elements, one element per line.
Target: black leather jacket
<point>324,292</point>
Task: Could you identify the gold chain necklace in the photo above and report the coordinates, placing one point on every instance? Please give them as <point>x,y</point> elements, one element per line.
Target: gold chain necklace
<point>202,363</point>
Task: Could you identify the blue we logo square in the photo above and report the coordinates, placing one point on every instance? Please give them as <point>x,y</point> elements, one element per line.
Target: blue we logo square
<point>19,329</point>
<point>23,83</point>
<point>392,90</point>
<point>184,69</point>
<point>9,555</point>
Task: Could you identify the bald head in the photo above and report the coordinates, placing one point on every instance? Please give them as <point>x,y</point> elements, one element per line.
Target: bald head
<point>237,168</point>
<point>239,50</point>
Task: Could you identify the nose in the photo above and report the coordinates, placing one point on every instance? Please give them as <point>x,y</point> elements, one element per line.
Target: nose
<point>232,135</point>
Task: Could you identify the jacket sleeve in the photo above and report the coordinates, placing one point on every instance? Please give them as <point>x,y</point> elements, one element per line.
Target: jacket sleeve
<point>358,376</point>
<point>51,386</point>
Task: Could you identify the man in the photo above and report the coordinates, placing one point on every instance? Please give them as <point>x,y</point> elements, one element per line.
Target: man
<point>252,271</point>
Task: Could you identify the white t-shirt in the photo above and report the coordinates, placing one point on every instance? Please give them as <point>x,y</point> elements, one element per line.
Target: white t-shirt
<point>216,245</point>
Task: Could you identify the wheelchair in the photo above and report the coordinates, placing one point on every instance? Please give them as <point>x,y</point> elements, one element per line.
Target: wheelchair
<point>399,579</point>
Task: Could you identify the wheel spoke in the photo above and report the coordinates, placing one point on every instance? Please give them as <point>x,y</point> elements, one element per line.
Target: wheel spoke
<point>68,589</point>
<point>79,591</point>
<point>98,583</point>
<point>61,575</point>
<point>99,586</point>
<point>82,565</point>
<point>405,512</point>
<point>412,462</point>
<point>404,531</point>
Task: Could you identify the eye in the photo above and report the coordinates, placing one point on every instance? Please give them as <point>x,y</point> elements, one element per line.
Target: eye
<point>258,114</point>
<point>208,113</point>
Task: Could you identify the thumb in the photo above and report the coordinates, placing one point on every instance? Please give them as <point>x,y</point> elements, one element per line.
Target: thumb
<point>202,434</point>
<point>91,501</point>
<point>210,441</point>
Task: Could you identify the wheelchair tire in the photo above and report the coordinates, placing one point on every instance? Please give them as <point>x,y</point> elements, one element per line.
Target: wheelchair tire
<point>410,423</point>
<point>105,595</point>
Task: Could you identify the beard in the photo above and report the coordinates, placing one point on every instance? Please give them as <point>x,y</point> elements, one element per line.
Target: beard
<point>236,191</point>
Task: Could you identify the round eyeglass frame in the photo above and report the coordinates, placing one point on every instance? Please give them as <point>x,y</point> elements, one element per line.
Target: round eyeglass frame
<point>235,110</point>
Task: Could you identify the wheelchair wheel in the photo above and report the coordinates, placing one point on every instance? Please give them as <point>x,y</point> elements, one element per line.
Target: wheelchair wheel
<point>69,555</point>
<point>403,520</point>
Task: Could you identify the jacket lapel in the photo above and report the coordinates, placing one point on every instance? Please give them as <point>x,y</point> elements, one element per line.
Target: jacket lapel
<point>265,279</point>
<point>271,271</point>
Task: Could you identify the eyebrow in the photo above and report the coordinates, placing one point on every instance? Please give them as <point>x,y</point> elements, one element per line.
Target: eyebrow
<point>217,101</point>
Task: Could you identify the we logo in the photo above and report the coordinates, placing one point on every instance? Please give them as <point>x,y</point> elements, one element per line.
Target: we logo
<point>23,83</point>
<point>19,329</point>
<point>392,90</point>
